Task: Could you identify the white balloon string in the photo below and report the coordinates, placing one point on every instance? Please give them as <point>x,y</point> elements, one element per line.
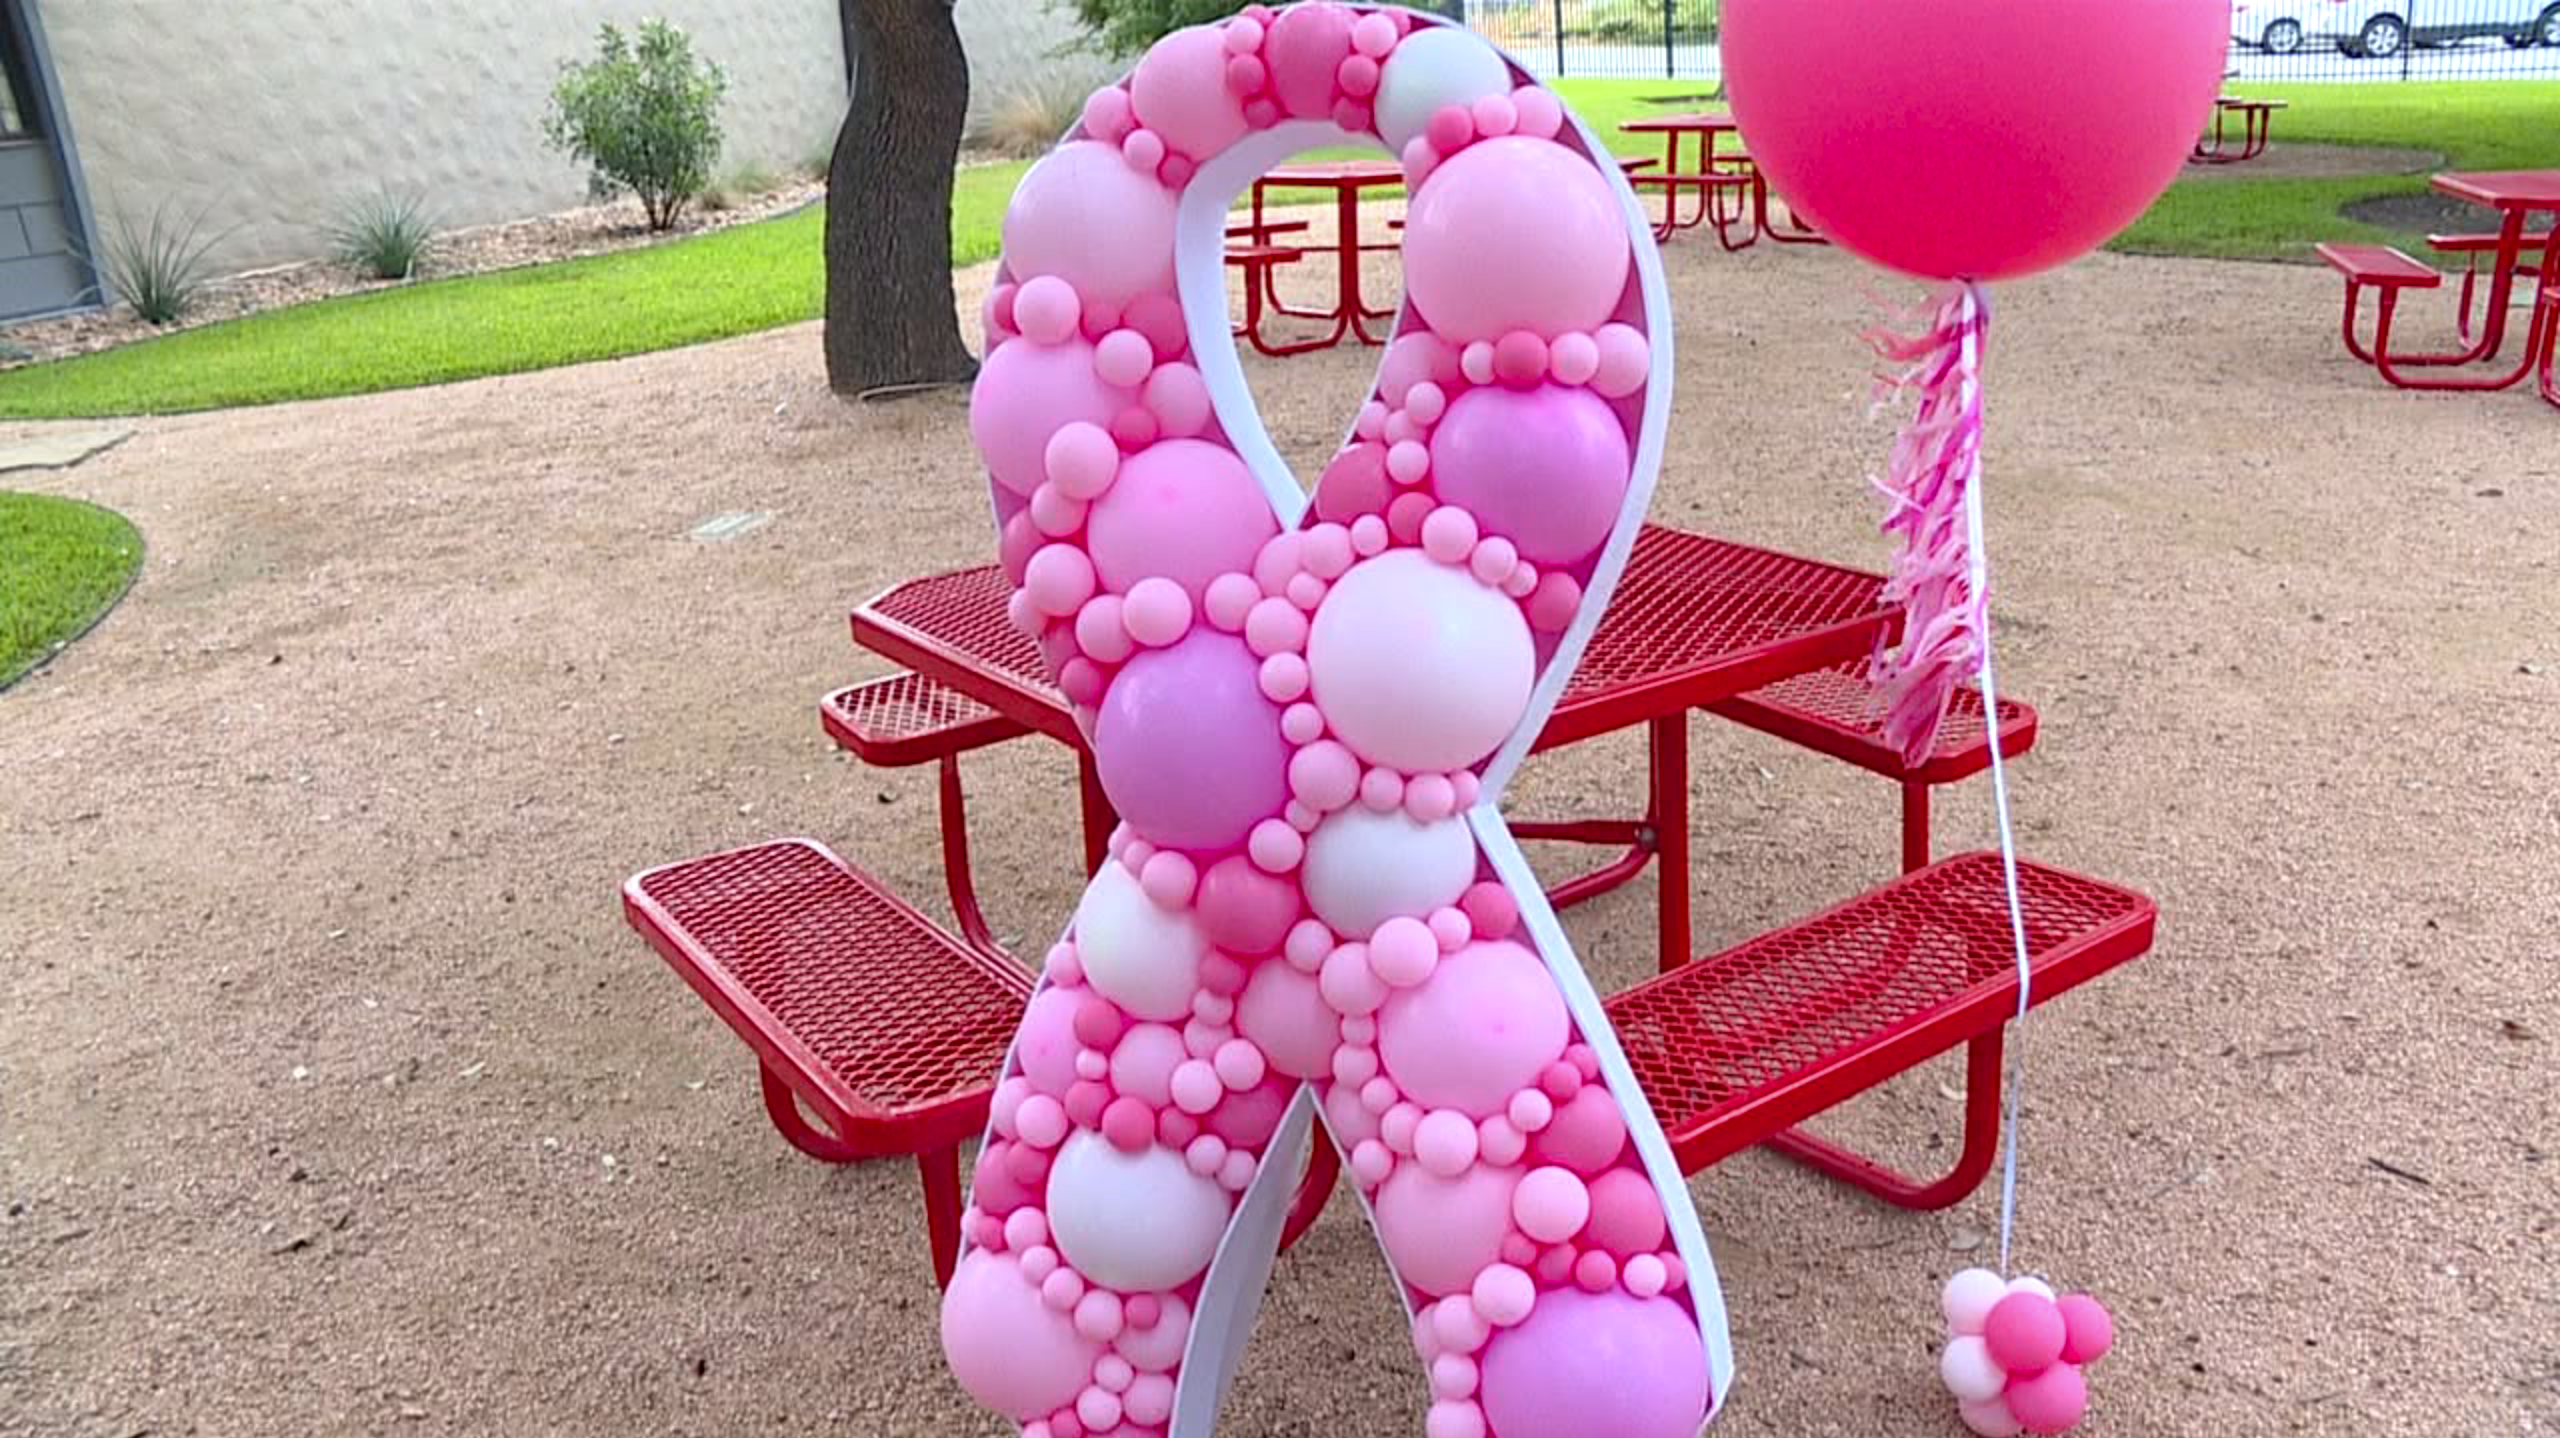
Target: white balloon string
<point>2012,1079</point>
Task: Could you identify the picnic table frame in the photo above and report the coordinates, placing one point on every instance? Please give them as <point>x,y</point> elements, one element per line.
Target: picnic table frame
<point>2517,195</point>
<point>1695,622</point>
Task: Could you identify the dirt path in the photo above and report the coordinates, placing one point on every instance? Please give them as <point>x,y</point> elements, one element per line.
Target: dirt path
<point>335,1098</point>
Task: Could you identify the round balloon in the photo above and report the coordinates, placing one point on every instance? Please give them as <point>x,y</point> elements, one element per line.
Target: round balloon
<point>1972,139</point>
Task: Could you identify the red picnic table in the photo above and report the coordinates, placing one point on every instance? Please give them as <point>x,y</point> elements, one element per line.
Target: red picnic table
<point>1260,255</point>
<point>1731,191</point>
<point>2517,196</point>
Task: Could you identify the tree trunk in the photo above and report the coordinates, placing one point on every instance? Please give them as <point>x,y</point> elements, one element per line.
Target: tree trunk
<point>891,320</point>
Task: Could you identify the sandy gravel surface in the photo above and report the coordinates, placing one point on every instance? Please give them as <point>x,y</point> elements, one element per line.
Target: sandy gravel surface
<point>336,1099</point>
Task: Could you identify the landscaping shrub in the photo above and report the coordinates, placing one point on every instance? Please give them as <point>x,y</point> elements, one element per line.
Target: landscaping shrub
<point>160,268</point>
<point>385,237</point>
<point>645,113</point>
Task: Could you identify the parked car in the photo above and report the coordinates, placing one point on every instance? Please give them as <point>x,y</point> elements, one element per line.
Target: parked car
<point>2383,28</point>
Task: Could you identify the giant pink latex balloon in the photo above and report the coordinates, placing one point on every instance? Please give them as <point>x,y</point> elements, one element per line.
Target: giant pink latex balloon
<point>1545,468</point>
<point>1025,394</point>
<point>1190,751</point>
<point>1012,1352</point>
<point>1084,215</point>
<point>1584,1364</point>
<point>1500,997</point>
<point>1185,509</point>
<point>1972,139</point>
<point>1515,234</point>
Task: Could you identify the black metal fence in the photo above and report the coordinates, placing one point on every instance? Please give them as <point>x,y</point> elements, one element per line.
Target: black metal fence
<point>2331,41</point>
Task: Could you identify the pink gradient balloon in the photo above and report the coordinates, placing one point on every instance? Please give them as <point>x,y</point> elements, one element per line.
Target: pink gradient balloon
<point>1477,1031</point>
<point>1180,92</point>
<point>1545,468</point>
<point>1189,751</point>
<point>1442,1232</point>
<point>2051,1401</point>
<point>1025,393</point>
<point>1974,139</point>
<point>1084,215</point>
<point>1306,46</point>
<point>1046,1045</point>
<point>1284,1011</point>
<point>1416,665</point>
<point>1185,509</point>
<point>1012,1352</point>
<point>1585,1364</point>
<point>1515,234</point>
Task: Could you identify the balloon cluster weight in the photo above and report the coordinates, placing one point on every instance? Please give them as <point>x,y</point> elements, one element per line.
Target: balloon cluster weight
<point>1303,714</point>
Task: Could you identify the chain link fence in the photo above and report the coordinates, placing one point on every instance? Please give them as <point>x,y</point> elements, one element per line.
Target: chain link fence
<point>2337,41</point>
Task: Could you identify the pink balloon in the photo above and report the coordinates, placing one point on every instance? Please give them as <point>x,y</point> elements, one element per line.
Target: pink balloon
<point>1477,1031</point>
<point>2050,1401</point>
<point>1046,1045</point>
<point>1545,468</point>
<point>1185,509</point>
<point>1189,750</point>
<point>1012,1352</point>
<point>1442,1232</point>
<point>1515,234</point>
<point>1180,91</point>
<point>1416,665</point>
<point>1024,395</point>
<point>1284,1011</point>
<point>1083,215</point>
<point>1592,1363</point>
<point>1306,47</point>
<point>1973,139</point>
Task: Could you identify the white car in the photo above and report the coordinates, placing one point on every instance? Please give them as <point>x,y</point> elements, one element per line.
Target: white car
<point>2383,28</point>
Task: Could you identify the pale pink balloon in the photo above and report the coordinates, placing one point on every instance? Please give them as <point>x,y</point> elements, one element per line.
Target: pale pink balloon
<point>1515,234</point>
<point>1480,1029</point>
<point>1304,51</point>
<point>1084,215</point>
<point>1180,91</point>
<point>1546,468</point>
<point>1010,1350</point>
<point>1923,132</point>
<point>1441,1232</point>
<point>1417,666</point>
<point>1185,509</point>
<point>1024,395</point>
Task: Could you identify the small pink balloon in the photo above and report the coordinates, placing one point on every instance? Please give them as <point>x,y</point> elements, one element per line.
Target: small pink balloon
<point>1185,509</point>
<point>1180,91</point>
<point>1501,997</point>
<point>1515,234</point>
<point>1440,1232</point>
<point>2088,1332</point>
<point>2025,1332</point>
<point>2050,1401</point>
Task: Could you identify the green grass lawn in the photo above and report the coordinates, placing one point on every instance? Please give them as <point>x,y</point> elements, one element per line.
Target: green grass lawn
<point>756,276</point>
<point>62,564</point>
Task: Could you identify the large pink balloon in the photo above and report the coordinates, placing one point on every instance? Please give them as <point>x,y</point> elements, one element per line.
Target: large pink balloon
<point>1012,1352</point>
<point>1084,215</point>
<point>1185,509</point>
<point>1545,468</point>
<point>1026,393</point>
<point>1972,139</point>
<point>1515,234</point>
<point>1592,1363</point>
<point>1190,751</point>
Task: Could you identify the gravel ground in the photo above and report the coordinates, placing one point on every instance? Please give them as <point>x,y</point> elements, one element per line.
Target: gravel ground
<point>339,1100</point>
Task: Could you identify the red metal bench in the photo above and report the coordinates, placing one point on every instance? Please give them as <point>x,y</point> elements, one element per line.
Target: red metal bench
<point>886,1027</point>
<point>1837,712</point>
<point>2388,271</point>
<point>2471,247</point>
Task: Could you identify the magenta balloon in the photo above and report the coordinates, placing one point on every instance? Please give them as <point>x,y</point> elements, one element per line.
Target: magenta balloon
<point>1545,468</point>
<point>1185,509</point>
<point>1084,215</point>
<point>1972,139</point>
<point>1584,1364</point>
<point>1307,44</point>
<point>1026,393</point>
<point>1012,1352</point>
<point>1189,749</point>
<point>1515,234</point>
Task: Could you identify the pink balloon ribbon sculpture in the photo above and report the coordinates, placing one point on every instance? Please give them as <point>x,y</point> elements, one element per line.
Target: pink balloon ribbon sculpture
<point>1305,713</point>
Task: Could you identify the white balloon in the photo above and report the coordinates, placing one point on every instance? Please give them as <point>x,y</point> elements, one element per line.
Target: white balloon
<point>1364,868</point>
<point>1136,953</point>
<point>1136,1222</point>
<point>1434,66</point>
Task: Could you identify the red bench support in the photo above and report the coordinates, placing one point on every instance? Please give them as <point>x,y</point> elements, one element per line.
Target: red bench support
<point>858,1007</point>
